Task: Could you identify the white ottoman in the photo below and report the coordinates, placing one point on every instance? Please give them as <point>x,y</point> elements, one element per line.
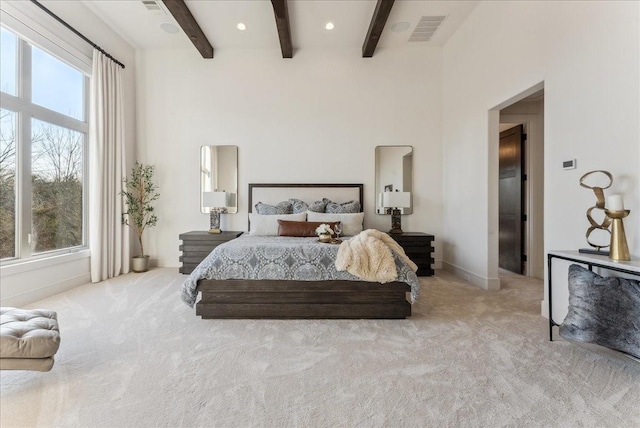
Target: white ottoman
<point>29,338</point>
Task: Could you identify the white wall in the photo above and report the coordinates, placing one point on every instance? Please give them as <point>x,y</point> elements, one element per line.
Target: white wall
<point>26,282</point>
<point>314,118</point>
<point>587,55</point>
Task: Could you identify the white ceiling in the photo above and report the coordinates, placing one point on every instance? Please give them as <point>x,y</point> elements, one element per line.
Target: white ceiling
<point>218,19</point>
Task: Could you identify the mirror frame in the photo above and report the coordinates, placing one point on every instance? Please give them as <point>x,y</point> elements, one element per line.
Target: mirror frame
<point>402,179</point>
<point>230,179</point>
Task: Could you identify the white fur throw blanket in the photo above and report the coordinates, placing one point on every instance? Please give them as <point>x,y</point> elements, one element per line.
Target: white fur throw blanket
<point>368,256</point>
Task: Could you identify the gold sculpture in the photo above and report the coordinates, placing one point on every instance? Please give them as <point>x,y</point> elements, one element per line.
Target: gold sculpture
<point>599,192</point>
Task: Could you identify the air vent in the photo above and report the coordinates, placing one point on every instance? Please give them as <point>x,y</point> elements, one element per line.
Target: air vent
<point>156,7</point>
<point>426,28</point>
<point>151,4</point>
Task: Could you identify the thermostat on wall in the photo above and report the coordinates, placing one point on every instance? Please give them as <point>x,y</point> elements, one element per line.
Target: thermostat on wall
<point>570,164</point>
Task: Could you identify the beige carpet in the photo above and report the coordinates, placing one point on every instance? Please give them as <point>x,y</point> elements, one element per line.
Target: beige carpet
<point>133,355</point>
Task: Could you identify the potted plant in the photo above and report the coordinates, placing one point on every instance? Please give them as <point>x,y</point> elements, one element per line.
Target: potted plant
<point>140,192</point>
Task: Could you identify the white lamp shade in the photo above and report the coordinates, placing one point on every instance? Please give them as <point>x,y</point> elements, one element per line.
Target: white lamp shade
<point>396,199</point>
<point>214,199</point>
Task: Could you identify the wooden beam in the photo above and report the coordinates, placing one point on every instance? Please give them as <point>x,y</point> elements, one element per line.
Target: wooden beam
<point>380,16</point>
<point>185,19</point>
<point>281,13</point>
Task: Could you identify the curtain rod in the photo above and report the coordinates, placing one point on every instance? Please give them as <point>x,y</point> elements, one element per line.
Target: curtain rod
<point>79,34</point>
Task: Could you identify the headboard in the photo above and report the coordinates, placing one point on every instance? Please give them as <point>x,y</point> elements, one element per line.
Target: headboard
<point>272,193</point>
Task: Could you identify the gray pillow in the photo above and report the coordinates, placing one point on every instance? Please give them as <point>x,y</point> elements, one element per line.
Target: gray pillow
<point>345,207</point>
<point>283,207</point>
<point>319,206</point>
<point>299,206</point>
<point>603,310</point>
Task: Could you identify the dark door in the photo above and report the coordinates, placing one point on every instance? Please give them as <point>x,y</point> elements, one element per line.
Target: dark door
<point>511,201</point>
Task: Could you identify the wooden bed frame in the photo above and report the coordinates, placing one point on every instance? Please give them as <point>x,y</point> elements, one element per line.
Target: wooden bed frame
<point>302,299</point>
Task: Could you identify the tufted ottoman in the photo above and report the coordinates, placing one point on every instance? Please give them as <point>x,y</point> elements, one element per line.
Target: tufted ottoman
<point>29,338</point>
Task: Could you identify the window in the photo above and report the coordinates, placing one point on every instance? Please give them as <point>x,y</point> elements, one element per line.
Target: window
<point>43,134</point>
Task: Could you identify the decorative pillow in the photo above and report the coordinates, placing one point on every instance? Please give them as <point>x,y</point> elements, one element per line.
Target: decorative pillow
<point>298,206</point>
<point>301,228</point>
<point>351,223</point>
<point>603,310</point>
<point>319,206</point>
<point>267,225</point>
<point>345,207</point>
<point>283,207</point>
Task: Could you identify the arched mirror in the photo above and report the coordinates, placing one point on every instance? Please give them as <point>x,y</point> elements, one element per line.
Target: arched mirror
<point>219,178</point>
<point>394,179</point>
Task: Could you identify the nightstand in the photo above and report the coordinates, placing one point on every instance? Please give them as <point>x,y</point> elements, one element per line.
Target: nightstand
<point>418,247</point>
<point>197,244</point>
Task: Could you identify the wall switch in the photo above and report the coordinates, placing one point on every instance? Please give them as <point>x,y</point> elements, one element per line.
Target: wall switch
<point>569,164</point>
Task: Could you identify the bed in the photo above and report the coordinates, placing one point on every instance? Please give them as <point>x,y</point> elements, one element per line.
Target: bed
<point>224,293</point>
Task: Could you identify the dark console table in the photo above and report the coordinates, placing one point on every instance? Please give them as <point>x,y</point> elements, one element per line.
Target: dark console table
<point>418,247</point>
<point>631,268</point>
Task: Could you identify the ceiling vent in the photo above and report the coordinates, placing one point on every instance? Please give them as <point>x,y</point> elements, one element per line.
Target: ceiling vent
<point>153,6</point>
<point>426,28</point>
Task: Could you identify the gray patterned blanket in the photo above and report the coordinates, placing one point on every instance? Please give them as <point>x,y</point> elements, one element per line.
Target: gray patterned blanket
<point>280,258</point>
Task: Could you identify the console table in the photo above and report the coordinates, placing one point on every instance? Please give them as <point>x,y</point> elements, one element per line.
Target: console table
<point>197,244</point>
<point>591,260</point>
<point>418,247</point>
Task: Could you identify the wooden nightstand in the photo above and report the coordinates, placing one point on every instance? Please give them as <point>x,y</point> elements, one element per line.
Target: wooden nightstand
<point>418,247</point>
<point>197,244</point>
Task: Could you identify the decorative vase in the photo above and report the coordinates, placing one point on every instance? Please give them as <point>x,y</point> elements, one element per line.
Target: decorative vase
<point>324,238</point>
<point>140,264</point>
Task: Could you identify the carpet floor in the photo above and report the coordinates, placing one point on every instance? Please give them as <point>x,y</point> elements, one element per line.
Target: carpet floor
<point>133,355</point>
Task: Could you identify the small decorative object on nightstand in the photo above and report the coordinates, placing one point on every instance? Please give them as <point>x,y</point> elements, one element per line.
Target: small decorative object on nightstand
<point>197,245</point>
<point>418,247</point>
<point>393,201</point>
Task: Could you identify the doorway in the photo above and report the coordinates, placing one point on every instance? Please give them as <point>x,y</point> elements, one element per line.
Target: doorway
<point>520,194</point>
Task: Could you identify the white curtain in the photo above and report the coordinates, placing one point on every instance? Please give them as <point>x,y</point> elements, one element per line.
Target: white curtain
<point>108,237</point>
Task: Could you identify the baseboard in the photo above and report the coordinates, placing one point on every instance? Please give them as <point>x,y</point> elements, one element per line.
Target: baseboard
<point>46,291</point>
<point>544,308</point>
<point>437,264</point>
<point>544,311</point>
<point>482,282</point>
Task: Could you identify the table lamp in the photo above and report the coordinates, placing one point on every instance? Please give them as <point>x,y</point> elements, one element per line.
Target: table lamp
<point>217,204</point>
<point>393,201</point>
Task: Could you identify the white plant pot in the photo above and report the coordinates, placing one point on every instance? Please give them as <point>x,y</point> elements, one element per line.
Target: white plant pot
<point>140,264</point>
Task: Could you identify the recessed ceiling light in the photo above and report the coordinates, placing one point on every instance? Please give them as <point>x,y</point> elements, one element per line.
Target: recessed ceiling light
<point>399,27</point>
<point>169,28</point>
<point>329,26</point>
<point>241,26</point>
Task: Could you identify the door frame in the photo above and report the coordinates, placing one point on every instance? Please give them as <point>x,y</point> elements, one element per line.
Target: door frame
<point>493,279</point>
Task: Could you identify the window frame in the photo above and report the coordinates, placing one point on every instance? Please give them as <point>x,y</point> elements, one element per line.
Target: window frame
<point>26,111</point>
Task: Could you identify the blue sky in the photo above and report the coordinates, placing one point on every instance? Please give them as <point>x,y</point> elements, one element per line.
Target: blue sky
<point>7,62</point>
<point>56,85</point>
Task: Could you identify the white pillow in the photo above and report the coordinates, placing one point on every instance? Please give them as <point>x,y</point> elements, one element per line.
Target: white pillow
<point>267,225</point>
<point>351,223</point>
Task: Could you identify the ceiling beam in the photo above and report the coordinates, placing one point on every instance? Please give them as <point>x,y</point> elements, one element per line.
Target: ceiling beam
<point>185,19</point>
<point>281,13</point>
<point>380,16</point>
